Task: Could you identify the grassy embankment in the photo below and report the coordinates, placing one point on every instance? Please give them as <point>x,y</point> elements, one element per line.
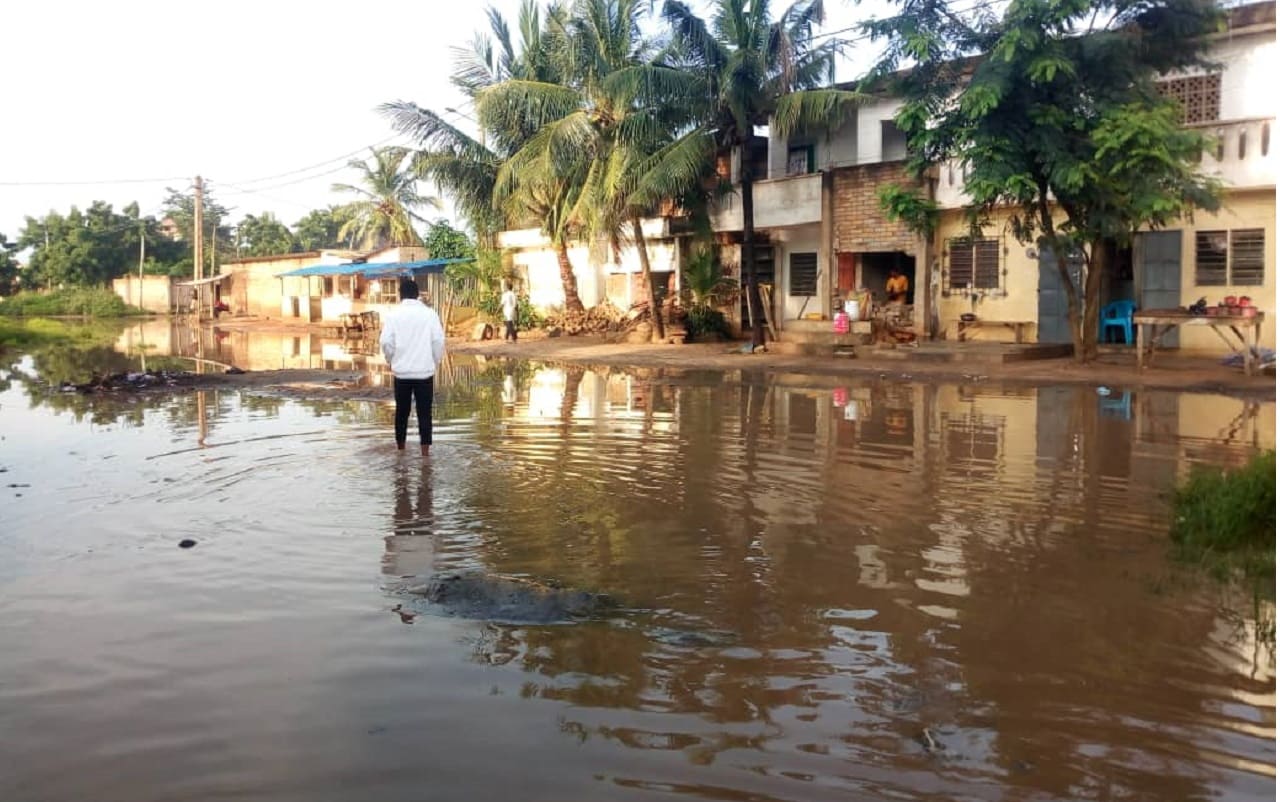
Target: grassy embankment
<point>74,302</point>
<point>1225,520</point>
<point>21,325</point>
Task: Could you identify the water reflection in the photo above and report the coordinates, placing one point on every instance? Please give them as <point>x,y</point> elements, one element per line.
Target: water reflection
<point>976,563</point>
<point>879,591</point>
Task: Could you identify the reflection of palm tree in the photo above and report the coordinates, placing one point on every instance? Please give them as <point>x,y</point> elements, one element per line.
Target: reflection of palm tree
<point>386,210</point>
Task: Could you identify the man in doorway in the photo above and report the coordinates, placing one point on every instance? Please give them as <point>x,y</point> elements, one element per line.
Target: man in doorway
<point>896,287</point>
<point>413,342</point>
<point>509,304</point>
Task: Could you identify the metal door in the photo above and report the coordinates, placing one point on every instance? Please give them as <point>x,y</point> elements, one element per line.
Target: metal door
<point>1161,275</point>
<point>1052,323</point>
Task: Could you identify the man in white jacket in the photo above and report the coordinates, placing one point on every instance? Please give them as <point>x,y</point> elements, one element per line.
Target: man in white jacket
<point>413,343</point>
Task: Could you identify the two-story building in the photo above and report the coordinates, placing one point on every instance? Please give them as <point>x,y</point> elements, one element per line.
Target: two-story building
<point>1230,252</point>
<point>821,232</point>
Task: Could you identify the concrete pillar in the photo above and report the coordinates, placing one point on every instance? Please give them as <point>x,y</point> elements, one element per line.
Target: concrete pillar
<point>826,244</point>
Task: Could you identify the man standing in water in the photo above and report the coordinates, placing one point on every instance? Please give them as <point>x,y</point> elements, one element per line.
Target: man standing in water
<point>413,342</point>
<point>509,305</point>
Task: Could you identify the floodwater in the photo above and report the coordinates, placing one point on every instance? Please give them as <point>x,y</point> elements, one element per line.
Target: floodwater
<point>883,592</point>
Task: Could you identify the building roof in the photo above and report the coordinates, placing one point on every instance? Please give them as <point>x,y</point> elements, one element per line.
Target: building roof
<point>273,258</point>
<point>374,269</point>
<point>202,281</point>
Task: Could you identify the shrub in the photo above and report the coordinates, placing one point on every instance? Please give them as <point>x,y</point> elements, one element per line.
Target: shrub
<point>83,301</point>
<point>703,322</point>
<point>1226,521</point>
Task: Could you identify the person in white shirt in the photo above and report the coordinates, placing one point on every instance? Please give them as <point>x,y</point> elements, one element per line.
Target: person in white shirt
<point>413,342</point>
<point>509,312</point>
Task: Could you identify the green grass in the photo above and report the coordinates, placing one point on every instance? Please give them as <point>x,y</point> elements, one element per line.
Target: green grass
<point>1225,520</point>
<point>81,301</point>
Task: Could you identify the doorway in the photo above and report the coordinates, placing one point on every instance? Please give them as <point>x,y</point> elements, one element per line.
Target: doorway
<point>1161,275</point>
<point>876,268</point>
<point>1051,320</point>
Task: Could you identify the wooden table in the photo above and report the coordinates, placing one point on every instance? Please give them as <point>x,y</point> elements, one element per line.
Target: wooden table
<point>1154,324</point>
<point>1019,327</point>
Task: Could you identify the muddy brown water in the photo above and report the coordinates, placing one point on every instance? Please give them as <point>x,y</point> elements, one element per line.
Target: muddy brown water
<point>885,591</point>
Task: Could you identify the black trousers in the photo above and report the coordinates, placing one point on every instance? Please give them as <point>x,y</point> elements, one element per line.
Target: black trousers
<point>511,331</point>
<point>419,391</point>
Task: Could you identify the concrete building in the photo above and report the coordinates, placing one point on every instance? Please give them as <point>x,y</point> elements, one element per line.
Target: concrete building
<point>821,232</point>
<point>1230,252</point>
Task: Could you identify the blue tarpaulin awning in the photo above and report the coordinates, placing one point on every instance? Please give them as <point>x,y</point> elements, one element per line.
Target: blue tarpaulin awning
<point>374,269</point>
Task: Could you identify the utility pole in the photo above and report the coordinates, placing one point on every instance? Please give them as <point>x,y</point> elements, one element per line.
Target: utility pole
<point>199,229</point>
<point>142,257</point>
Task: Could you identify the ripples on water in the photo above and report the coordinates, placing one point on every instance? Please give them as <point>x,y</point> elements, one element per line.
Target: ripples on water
<point>882,592</point>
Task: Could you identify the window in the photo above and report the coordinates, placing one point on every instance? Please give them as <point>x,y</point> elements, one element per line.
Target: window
<point>1231,258</point>
<point>1199,95</point>
<point>893,142</point>
<point>974,263</point>
<point>803,275</point>
<point>973,438</point>
<point>800,160</point>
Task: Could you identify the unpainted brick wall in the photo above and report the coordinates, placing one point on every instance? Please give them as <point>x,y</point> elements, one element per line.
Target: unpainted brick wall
<point>860,224</point>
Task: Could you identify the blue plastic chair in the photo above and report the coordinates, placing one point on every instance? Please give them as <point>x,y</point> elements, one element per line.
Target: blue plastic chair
<point>1117,314</point>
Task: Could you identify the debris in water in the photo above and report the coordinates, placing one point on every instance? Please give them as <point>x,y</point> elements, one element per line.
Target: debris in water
<point>931,744</point>
<point>186,543</point>
<point>116,382</point>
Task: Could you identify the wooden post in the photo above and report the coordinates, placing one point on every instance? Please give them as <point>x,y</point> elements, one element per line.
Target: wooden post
<point>198,238</point>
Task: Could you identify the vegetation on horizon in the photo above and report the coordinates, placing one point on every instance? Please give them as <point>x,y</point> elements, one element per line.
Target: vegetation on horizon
<point>70,302</point>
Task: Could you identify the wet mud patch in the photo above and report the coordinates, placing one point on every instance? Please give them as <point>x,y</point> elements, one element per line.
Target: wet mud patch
<point>501,599</point>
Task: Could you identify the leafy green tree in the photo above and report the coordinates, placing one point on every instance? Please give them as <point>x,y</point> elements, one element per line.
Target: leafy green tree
<point>8,266</point>
<point>263,235</point>
<point>388,201</point>
<point>443,241</point>
<point>179,207</point>
<point>90,247</point>
<point>1057,119</point>
<point>319,229</point>
<point>752,67</point>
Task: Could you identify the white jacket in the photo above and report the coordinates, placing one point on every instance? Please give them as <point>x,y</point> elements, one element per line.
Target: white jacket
<point>413,340</point>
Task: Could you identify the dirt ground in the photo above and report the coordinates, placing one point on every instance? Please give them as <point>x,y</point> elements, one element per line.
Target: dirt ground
<point>1116,371</point>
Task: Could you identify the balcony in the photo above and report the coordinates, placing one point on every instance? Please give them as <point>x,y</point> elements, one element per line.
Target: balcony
<point>779,203</point>
<point>1243,157</point>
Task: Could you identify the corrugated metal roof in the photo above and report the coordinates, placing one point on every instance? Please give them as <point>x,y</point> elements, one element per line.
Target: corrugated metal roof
<point>374,269</point>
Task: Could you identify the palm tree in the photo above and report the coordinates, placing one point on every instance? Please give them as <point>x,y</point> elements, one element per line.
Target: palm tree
<point>459,164</point>
<point>385,212</point>
<point>586,166</point>
<point>752,67</point>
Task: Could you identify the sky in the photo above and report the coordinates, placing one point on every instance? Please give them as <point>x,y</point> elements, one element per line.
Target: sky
<point>140,95</point>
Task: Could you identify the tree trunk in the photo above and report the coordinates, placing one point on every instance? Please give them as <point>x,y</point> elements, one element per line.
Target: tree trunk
<point>655,311</point>
<point>1099,268</point>
<point>749,252</point>
<point>572,303</point>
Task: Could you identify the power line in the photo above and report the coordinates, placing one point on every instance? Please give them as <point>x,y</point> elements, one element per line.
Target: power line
<point>99,182</point>
<point>324,163</point>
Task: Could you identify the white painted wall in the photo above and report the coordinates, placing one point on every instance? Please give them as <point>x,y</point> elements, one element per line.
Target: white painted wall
<point>797,240</point>
<point>545,287</point>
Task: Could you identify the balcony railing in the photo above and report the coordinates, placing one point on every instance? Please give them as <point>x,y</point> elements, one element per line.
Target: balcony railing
<point>779,203</point>
<point>1241,155</point>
